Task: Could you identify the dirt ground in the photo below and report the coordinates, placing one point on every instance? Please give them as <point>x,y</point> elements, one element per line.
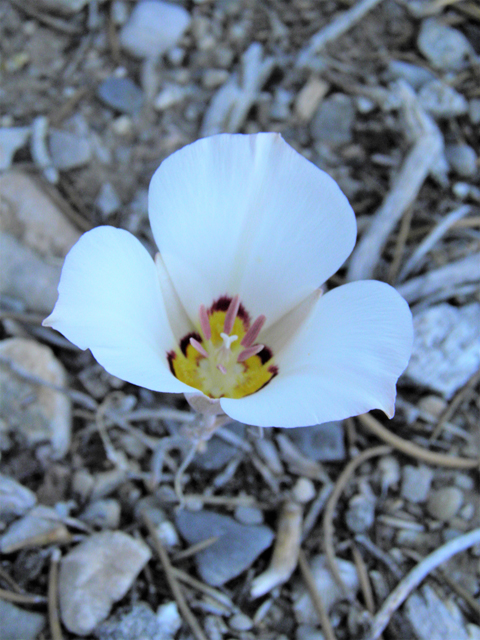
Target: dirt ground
<point>395,120</point>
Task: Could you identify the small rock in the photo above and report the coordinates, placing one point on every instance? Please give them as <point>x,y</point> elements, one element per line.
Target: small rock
<point>433,405</point>
<point>413,74</point>
<point>446,347</point>
<point>68,151</point>
<point>334,120</point>
<point>445,47</point>
<point>248,515</point>
<point>19,624</point>
<point>214,78</point>
<point>463,159</point>
<point>11,140</point>
<point>303,491</point>
<point>25,277</point>
<point>141,623</point>
<point>365,105</point>
<point>308,632</point>
<point>329,591</point>
<point>103,513</point>
<point>445,503</point>
<point>95,574</point>
<point>46,417</point>
<point>309,97</point>
<point>119,12</point>
<point>322,442</point>
<point>360,514</point>
<point>218,452</point>
<point>15,499</point>
<point>154,27</point>
<point>40,521</point>
<point>474,110</point>
<point>122,126</point>
<point>441,100</point>
<point>121,94</point>
<point>280,109</point>
<point>240,622</point>
<point>389,469</point>
<point>432,617</point>
<point>30,215</point>
<point>107,201</point>
<point>170,95</point>
<point>416,483</point>
<point>236,549</point>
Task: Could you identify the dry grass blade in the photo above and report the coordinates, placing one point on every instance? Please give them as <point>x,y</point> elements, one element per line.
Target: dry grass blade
<point>315,596</point>
<point>172,581</point>
<point>53,617</point>
<point>363,579</point>
<point>454,403</point>
<point>217,595</point>
<point>21,598</point>
<point>413,450</point>
<point>402,238</point>
<point>195,548</point>
<point>332,503</point>
<point>415,577</point>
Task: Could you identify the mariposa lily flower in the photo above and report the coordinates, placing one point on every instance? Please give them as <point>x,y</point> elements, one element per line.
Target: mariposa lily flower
<point>230,311</point>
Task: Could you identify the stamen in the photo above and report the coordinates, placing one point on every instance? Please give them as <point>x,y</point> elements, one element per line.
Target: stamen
<point>204,322</point>
<point>221,368</point>
<point>196,345</point>
<point>231,314</point>
<point>252,334</point>
<point>249,352</point>
<point>227,340</point>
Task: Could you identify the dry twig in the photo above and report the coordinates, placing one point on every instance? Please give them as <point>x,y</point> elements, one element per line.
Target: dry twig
<point>172,581</point>
<point>53,617</point>
<point>332,503</point>
<point>415,577</point>
<point>413,450</point>
<point>315,596</point>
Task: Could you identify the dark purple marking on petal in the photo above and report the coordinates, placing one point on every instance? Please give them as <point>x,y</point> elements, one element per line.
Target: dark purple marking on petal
<point>222,304</point>
<point>171,355</point>
<point>265,355</point>
<point>185,341</point>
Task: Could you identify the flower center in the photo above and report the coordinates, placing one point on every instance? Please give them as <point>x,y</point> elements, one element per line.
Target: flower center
<point>223,358</point>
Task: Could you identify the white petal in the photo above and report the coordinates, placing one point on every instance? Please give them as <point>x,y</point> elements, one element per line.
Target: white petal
<point>178,319</point>
<point>247,214</point>
<point>110,302</point>
<point>345,361</point>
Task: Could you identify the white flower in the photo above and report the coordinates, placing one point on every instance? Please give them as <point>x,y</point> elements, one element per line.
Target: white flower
<point>230,312</point>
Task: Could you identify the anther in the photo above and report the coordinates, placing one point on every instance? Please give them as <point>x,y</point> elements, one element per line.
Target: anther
<point>231,314</point>
<point>249,352</point>
<point>221,368</point>
<point>204,322</point>
<point>196,345</point>
<point>252,334</point>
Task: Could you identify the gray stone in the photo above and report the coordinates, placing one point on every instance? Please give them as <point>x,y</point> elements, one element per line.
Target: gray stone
<point>40,521</point>
<point>248,515</point>
<point>445,503</point>
<point>434,619</point>
<point>107,201</point>
<point>329,591</point>
<point>121,94</point>
<point>47,416</point>
<point>416,483</point>
<point>68,150</point>
<point>413,74</point>
<point>446,347</point>
<point>445,47</point>
<point>11,140</point>
<point>308,632</point>
<point>218,452</point>
<point>236,549</point>
<point>360,514</point>
<point>322,442</point>
<point>462,159</point>
<point>474,110</point>
<point>95,574</point>
<point>15,499</point>
<point>334,119</point>
<point>153,28</point>
<point>19,624</point>
<point>141,623</point>
<point>103,513</point>
<point>240,622</point>
<point>441,100</point>
<point>171,95</point>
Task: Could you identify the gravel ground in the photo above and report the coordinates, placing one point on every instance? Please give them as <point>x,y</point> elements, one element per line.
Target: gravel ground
<point>384,96</point>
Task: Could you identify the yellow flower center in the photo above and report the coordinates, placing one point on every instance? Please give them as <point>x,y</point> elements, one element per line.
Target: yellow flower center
<point>223,359</point>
